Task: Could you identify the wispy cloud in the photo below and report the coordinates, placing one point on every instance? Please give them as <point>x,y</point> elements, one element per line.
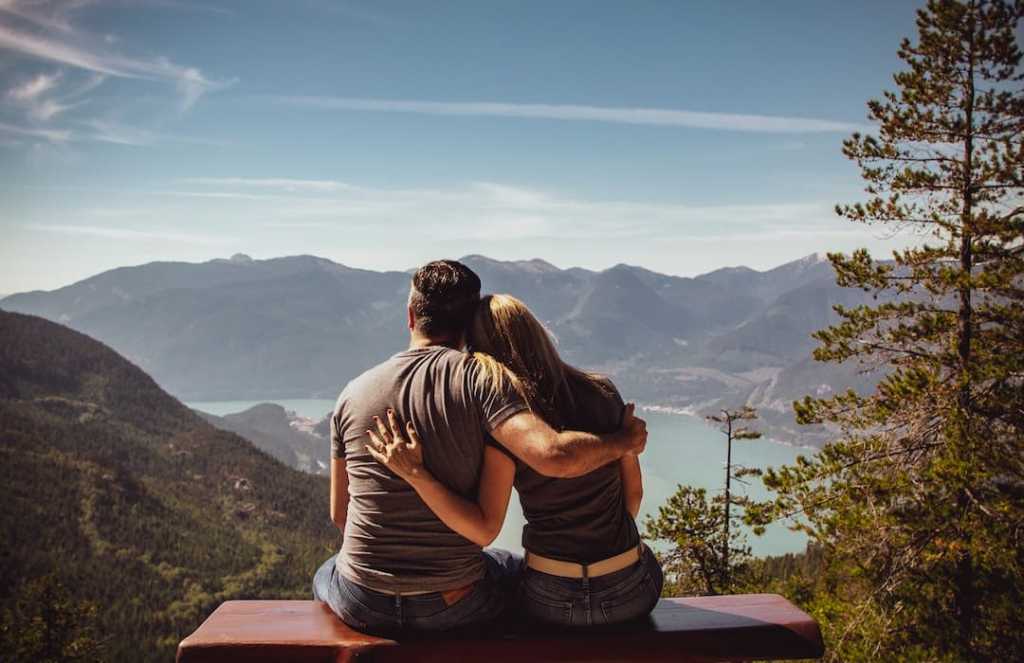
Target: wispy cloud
<point>489,211</point>
<point>41,13</point>
<point>52,135</point>
<point>75,50</point>
<point>47,109</point>
<point>278,183</point>
<point>34,87</point>
<point>54,51</point>
<point>91,131</point>
<point>86,86</point>
<point>107,132</point>
<point>32,96</point>
<point>192,84</point>
<point>104,131</point>
<point>192,7</point>
<point>119,212</point>
<point>130,235</point>
<point>644,116</point>
<point>57,14</point>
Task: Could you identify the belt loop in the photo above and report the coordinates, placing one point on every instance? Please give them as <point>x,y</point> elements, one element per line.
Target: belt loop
<point>586,593</point>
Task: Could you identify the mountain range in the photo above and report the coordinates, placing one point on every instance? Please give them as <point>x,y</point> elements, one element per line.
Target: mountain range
<point>127,518</point>
<point>302,326</point>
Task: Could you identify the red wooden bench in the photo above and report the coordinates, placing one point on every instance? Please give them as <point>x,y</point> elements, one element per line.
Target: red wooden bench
<point>702,629</point>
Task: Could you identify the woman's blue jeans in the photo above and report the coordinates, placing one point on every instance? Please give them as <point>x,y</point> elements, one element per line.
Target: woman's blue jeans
<point>384,614</point>
<point>609,599</point>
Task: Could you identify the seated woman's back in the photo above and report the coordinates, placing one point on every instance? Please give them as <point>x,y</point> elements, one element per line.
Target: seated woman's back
<point>583,519</point>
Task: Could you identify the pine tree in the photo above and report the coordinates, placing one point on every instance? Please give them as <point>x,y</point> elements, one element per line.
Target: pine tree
<point>707,555</point>
<point>692,525</point>
<point>730,425</point>
<point>919,502</point>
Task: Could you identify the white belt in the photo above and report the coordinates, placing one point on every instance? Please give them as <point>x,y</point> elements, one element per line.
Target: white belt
<point>557,567</point>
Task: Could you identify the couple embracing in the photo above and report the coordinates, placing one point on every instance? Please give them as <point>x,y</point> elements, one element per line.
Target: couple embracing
<point>426,448</point>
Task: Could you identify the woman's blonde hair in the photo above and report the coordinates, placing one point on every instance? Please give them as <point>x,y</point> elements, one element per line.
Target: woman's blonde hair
<point>511,345</point>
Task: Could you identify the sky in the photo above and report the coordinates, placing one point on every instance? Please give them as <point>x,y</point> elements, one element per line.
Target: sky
<point>678,136</point>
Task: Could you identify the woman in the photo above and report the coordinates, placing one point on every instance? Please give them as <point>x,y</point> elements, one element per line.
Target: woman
<point>585,564</point>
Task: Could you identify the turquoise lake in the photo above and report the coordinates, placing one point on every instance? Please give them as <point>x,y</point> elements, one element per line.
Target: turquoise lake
<point>680,450</point>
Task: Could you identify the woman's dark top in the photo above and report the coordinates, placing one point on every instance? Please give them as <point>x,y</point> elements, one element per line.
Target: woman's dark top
<point>583,519</point>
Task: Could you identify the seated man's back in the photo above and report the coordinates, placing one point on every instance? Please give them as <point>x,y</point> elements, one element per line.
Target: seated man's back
<point>392,541</point>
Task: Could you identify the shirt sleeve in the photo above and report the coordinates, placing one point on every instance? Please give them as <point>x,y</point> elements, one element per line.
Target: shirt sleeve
<point>617,404</point>
<point>338,428</point>
<point>337,447</point>
<point>606,404</point>
<point>491,442</point>
<point>496,404</point>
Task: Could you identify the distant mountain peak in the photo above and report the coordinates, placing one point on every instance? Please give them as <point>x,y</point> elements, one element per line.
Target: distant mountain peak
<point>533,264</point>
<point>304,260</point>
<point>814,258</point>
<point>732,271</point>
<point>540,265</point>
<point>637,269</point>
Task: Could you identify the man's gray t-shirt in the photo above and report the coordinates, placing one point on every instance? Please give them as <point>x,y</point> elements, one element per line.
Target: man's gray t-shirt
<point>393,542</point>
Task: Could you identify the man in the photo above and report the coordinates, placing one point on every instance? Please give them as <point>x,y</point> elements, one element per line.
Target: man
<point>400,568</point>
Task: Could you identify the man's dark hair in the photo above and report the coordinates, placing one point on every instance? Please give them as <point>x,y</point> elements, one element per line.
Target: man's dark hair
<point>444,296</point>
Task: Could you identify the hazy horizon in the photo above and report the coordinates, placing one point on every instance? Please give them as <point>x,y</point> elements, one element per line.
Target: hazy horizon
<point>563,267</point>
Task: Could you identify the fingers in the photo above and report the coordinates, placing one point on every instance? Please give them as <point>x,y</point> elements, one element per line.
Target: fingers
<point>414,437</point>
<point>375,440</point>
<point>385,434</point>
<point>642,444</point>
<point>380,457</point>
<point>394,424</point>
<point>389,440</point>
<point>635,427</point>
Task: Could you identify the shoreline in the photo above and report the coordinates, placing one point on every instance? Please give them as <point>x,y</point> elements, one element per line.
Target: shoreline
<point>689,411</point>
<point>676,411</point>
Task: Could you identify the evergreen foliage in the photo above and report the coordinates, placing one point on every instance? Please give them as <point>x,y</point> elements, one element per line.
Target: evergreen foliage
<point>708,552</point>
<point>693,526</point>
<point>127,519</point>
<point>46,624</point>
<point>917,503</point>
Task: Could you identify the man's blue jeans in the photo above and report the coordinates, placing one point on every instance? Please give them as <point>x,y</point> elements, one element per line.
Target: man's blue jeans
<point>609,599</point>
<point>379,613</point>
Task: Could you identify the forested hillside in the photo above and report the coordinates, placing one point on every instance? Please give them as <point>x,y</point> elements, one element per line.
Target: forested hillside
<point>127,518</point>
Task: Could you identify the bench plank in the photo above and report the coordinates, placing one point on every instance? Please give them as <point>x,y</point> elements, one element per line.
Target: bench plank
<point>697,629</point>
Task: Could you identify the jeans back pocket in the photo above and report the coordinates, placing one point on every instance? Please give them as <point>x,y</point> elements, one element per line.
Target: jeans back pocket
<point>543,607</point>
<point>631,603</point>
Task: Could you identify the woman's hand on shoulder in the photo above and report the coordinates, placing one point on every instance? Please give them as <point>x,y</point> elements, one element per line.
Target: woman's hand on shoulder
<point>397,447</point>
